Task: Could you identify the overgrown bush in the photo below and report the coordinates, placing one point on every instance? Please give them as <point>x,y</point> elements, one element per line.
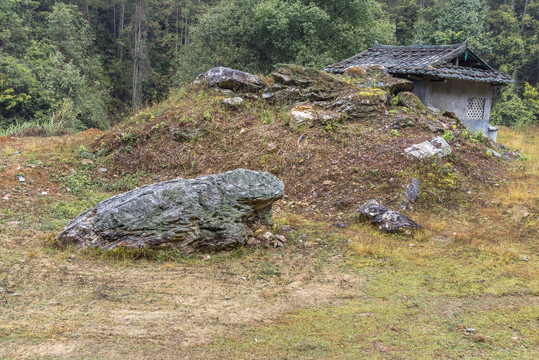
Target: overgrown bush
<point>512,110</point>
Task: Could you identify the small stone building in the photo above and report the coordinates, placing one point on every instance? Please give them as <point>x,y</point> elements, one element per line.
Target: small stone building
<point>446,77</point>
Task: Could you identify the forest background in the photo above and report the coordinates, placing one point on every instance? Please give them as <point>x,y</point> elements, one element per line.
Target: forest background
<point>72,65</point>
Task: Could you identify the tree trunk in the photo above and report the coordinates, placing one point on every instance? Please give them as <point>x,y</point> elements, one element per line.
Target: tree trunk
<point>177,31</point>
<point>139,29</point>
<point>523,16</point>
<point>114,21</point>
<point>120,49</point>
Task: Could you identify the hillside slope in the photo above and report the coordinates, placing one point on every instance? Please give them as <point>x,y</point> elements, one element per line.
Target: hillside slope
<point>327,167</point>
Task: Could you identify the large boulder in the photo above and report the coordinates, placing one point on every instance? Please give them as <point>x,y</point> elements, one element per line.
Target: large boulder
<point>212,212</point>
<point>226,78</point>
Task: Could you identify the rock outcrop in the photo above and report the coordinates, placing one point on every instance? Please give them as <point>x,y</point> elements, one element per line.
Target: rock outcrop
<point>327,95</point>
<point>378,75</point>
<point>386,220</point>
<point>226,78</point>
<point>212,212</point>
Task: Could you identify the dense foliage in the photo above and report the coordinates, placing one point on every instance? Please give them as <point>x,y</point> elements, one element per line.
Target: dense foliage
<point>255,35</point>
<point>73,63</point>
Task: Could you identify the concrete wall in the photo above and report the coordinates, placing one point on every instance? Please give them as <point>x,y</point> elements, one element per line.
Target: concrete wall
<point>452,95</point>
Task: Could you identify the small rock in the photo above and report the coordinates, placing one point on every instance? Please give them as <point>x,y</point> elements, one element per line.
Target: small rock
<point>412,192</point>
<point>405,123</point>
<point>470,330</point>
<point>272,147</point>
<point>480,338</point>
<point>387,220</point>
<point>102,170</point>
<point>22,179</point>
<point>225,91</point>
<point>493,153</point>
<point>436,147</point>
<point>86,162</point>
<point>43,193</point>
<point>6,198</point>
<point>233,102</point>
<point>227,297</point>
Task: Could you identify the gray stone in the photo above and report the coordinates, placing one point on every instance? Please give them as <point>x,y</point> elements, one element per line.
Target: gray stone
<point>226,78</point>
<point>306,114</point>
<point>427,149</point>
<point>233,102</point>
<point>412,192</point>
<point>212,212</point>
<point>405,123</point>
<point>494,153</point>
<point>386,220</point>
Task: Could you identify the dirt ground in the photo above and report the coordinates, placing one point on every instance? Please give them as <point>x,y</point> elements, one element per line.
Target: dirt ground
<point>76,304</point>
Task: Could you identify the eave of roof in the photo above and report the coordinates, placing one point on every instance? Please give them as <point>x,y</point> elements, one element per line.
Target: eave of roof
<point>428,60</point>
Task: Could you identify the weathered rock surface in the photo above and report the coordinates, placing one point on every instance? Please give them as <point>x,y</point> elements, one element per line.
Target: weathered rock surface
<point>386,220</point>
<point>233,102</point>
<point>308,115</point>
<point>212,212</point>
<point>493,153</point>
<point>410,100</point>
<point>378,74</point>
<point>366,70</point>
<point>326,92</point>
<point>226,78</point>
<point>411,194</point>
<point>436,147</point>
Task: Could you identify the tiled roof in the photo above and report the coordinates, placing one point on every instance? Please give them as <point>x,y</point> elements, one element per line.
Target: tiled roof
<point>417,59</point>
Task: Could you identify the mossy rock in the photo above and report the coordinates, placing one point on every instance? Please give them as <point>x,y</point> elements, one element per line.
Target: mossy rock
<point>410,100</point>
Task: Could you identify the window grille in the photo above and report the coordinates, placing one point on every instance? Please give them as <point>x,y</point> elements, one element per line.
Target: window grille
<point>476,109</point>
